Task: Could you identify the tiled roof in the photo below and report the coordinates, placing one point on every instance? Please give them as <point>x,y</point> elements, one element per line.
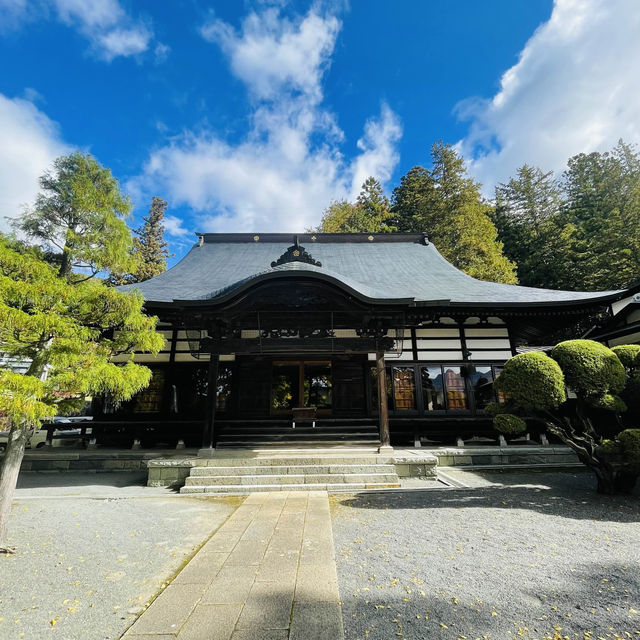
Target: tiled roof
<point>386,267</point>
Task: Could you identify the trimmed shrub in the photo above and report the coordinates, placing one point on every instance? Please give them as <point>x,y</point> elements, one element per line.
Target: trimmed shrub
<point>609,403</point>
<point>630,442</point>
<point>628,354</point>
<point>631,394</point>
<point>590,368</point>
<point>532,381</point>
<point>509,424</point>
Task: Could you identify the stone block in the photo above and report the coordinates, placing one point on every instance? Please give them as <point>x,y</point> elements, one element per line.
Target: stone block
<point>50,465</point>
<point>462,460</point>
<point>230,585</point>
<point>201,569</point>
<point>261,634</point>
<point>211,622</point>
<point>317,583</point>
<point>316,621</point>
<point>267,607</point>
<point>169,611</point>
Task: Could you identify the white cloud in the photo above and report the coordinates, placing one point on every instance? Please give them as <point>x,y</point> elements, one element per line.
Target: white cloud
<point>575,88</point>
<point>30,143</point>
<point>173,226</point>
<point>289,166</point>
<point>111,31</point>
<point>273,53</point>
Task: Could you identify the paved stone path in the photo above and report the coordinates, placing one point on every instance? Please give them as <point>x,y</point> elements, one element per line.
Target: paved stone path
<point>268,573</point>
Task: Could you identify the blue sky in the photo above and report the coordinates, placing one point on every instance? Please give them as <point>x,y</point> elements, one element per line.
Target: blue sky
<point>255,115</point>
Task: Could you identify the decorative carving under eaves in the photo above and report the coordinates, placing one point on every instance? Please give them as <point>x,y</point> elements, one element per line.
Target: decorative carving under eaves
<point>371,332</point>
<point>296,253</point>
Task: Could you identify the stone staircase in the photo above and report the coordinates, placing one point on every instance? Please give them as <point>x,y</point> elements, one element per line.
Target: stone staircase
<point>304,472</point>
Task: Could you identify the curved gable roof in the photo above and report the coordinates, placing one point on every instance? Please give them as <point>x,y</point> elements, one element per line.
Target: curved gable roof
<point>387,268</point>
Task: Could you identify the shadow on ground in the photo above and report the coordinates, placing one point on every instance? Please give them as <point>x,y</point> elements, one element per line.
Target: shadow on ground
<point>570,495</point>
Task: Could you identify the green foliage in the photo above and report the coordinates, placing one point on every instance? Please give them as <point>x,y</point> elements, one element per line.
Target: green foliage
<point>80,215</point>
<point>447,204</point>
<point>629,440</point>
<point>532,381</point>
<point>591,370</point>
<point>21,399</point>
<point>628,354</point>
<point>631,395</point>
<point>509,424</point>
<point>494,408</point>
<point>149,247</point>
<point>370,213</point>
<point>534,384</point>
<point>580,232</point>
<point>69,332</point>
<point>527,216</point>
<point>602,204</point>
<point>609,402</point>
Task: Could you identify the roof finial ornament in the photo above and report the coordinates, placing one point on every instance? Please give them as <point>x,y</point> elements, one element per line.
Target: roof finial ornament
<point>296,253</point>
<point>425,239</point>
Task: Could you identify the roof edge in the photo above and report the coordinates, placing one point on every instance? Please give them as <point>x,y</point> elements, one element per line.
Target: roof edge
<point>311,238</point>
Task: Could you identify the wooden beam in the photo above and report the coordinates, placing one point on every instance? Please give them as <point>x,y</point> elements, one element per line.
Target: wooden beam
<point>385,440</point>
<point>208,437</point>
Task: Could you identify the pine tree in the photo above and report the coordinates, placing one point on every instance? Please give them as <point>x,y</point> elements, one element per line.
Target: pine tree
<point>150,247</point>
<point>79,218</point>
<point>446,203</point>
<point>69,331</point>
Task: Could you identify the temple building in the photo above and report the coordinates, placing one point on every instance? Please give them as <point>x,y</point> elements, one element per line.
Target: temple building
<point>308,337</point>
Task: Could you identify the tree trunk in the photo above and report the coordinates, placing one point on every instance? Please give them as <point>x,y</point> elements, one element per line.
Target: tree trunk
<point>9,477</point>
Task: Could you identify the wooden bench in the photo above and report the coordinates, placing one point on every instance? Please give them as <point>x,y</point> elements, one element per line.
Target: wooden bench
<point>304,414</point>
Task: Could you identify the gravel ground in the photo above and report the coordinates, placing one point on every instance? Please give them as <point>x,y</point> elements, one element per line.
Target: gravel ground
<point>92,550</point>
<point>516,555</point>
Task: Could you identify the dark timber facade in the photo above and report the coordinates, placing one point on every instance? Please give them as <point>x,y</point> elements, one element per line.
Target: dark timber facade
<point>349,336</point>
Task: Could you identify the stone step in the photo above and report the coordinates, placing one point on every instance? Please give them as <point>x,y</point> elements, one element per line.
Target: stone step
<point>244,489</point>
<point>292,441</point>
<point>291,469</point>
<point>288,479</point>
<point>301,460</point>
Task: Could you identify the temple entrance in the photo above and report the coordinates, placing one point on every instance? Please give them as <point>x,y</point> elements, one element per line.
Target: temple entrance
<point>301,383</point>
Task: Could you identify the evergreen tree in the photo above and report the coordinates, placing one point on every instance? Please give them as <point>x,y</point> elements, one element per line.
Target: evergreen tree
<point>79,217</point>
<point>69,331</point>
<point>150,245</point>
<point>447,204</point>
<point>602,203</point>
<point>149,250</point>
<point>527,216</point>
<point>370,213</point>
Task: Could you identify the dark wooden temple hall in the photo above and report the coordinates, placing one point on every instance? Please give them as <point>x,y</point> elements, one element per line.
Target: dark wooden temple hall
<point>303,338</point>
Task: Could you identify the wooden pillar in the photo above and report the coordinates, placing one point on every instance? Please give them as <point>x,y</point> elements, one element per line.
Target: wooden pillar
<point>383,412</point>
<point>208,439</point>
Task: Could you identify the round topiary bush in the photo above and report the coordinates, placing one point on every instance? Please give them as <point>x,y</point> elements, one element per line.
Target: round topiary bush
<point>532,381</point>
<point>509,424</point>
<point>628,354</point>
<point>608,402</point>
<point>631,394</point>
<point>629,440</point>
<point>590,368</point>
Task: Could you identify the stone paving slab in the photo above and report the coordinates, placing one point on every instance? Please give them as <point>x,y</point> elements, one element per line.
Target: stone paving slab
<point>268,573</point>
